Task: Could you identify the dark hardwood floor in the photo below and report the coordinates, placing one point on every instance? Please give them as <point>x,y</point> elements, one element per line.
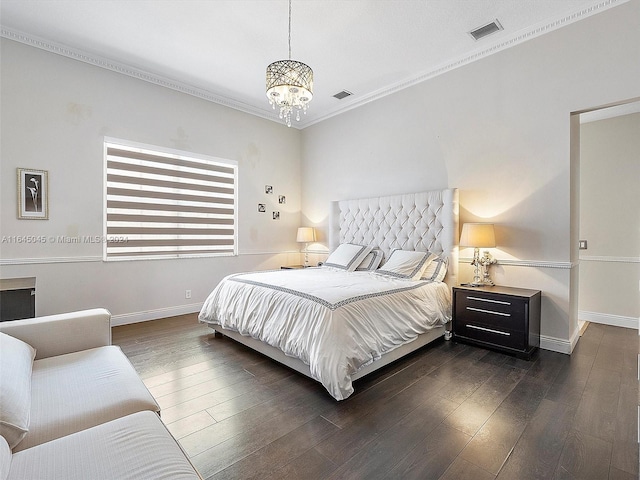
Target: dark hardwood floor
<point>448,411</point>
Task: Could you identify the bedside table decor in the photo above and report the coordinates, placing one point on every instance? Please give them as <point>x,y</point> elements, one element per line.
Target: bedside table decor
<point>306,235</point>
<point>502,318</point>
<point>479,235</point>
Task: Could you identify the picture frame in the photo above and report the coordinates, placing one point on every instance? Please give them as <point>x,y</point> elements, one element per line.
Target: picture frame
<point>268,189</point>
<point>276,215</point>
<point>262,208</point>
<point>282,199</point>
<point>33,194</point>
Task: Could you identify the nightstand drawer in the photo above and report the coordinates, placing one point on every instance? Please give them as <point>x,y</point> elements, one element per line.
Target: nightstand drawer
<point>492,311</point>
<point>495,336</point>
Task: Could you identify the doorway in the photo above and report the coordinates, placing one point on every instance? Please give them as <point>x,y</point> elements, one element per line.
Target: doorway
<point>609,219</point>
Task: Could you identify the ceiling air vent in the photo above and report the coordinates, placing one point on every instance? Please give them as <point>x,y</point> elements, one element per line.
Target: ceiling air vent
<point>488,29</point>
<point>342,94</point>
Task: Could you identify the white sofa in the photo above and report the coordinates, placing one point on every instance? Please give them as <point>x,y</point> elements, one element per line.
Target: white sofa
<point>73,407</point>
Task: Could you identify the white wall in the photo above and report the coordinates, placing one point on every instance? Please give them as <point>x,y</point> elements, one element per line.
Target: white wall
<point>55,114</point>
<point>499,130</point>
<point>610,220</point>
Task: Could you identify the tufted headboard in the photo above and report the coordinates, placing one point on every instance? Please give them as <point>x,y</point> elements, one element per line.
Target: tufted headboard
<point>426,221</point>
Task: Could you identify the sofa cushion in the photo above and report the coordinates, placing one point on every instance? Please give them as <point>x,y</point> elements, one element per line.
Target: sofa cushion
<point>16,362</point>
<point>5,459</point>
<point>79,390</point>
<point>134,447</point>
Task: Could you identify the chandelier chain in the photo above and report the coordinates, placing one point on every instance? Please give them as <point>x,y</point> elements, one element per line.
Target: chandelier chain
<point>289,29</point>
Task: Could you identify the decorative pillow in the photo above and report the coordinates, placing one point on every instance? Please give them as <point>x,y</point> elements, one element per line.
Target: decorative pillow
<point>16,363</point>
<point>406,264</point>
<point>371,261</point>
<point>436,270</point>
<point>347,256</point>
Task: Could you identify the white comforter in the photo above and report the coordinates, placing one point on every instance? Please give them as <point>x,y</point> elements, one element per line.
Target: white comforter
<point>334,321</point>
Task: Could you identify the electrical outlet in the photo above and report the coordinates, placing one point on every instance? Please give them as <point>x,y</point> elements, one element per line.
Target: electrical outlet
<point>582,245</point>
<point>187,294</point>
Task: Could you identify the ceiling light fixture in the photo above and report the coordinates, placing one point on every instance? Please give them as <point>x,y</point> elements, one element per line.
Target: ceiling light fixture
<point>289,85</point>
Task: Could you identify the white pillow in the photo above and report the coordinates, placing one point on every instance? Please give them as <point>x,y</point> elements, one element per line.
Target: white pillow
<point>406,264</point>
<point>16,363</point>
<point>436,270</point>
<point>347,256</point>
<point>371,261</point>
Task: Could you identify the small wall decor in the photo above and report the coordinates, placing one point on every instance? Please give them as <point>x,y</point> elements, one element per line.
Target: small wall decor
<point>276,215</point>
<point>268,189</point>
<point>282,199</point>
<point>33,194</point>
<point>262,207</point>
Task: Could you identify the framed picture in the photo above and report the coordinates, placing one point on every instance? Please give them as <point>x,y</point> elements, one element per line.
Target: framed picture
<point>276,215</point>
<point>262,207</point>
<point>268,189</point>
<point>33,194</point>
<point>282,199</point>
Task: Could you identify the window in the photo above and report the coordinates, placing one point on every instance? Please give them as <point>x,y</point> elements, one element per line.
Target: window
<point>167,204</point>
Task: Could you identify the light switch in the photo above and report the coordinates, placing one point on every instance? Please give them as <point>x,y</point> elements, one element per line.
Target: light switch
<point>582,244</point>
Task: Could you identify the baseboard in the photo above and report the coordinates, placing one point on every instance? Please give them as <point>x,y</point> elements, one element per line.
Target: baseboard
<point>583,327</point>
<point>147,315</point>
<point>608,319</point>
<point>558,344</point>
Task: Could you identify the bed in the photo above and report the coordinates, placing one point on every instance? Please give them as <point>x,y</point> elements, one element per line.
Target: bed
<point>381,294</point>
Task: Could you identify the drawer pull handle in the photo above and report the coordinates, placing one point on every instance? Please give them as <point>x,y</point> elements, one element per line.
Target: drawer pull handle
<point>488,300</point>
<point>489,311</point>
<point>488,330</point>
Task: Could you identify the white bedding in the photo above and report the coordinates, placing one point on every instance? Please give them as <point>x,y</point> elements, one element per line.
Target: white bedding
<point>334,321</point>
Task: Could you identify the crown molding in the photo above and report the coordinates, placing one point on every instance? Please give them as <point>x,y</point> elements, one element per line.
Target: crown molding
<point>114,66</point>
<point>515,39</point>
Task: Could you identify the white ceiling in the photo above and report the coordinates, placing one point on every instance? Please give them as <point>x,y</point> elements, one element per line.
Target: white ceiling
<point>219,49</point>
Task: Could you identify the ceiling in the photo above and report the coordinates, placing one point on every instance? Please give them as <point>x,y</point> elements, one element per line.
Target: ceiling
<point>219,49</point>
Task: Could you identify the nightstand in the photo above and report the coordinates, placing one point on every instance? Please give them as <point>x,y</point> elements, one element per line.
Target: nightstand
<point>502,318</point>
<point>292,267</point>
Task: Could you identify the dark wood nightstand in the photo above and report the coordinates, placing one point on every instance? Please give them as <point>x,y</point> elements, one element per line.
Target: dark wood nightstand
<point>292,267</point>
<point>503,318</point>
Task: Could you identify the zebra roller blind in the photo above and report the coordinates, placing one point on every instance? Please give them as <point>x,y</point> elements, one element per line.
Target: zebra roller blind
<point>167,204</point>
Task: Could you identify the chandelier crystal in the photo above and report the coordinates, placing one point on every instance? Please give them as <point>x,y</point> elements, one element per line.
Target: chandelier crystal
<point>289,85</point>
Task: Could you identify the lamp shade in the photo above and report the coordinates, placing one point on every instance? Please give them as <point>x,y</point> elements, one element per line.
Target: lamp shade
<point>306,234</point>
<point>478,235</point>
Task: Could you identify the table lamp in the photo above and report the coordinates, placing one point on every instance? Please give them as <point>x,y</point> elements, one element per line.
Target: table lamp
<point>306,235</point>
<point>479,235</point>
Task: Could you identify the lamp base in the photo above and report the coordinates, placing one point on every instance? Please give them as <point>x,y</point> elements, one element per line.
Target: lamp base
<point>477,281</point>
<point>483,263</point>
<point>486,261</point>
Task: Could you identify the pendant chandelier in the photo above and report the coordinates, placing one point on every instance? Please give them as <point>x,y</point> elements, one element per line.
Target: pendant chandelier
<point>289,85</point>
